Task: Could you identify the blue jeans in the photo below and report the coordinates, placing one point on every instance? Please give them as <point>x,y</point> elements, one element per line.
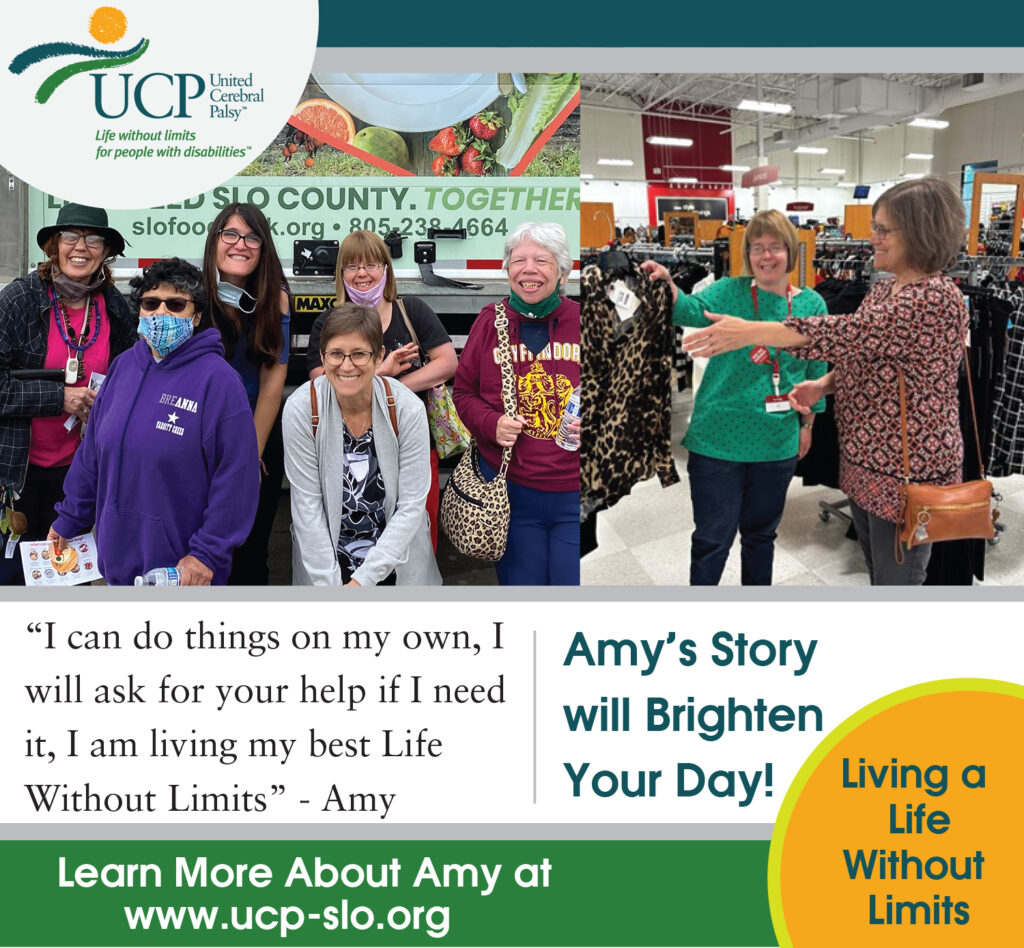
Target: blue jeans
<point>735,495</point>
<point>543,536</point>
<point>878,542</point>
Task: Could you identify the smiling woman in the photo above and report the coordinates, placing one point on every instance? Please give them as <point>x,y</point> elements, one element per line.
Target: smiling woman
<point>357,458</point>
<point>168,470</point>
<point>543,477</point>
<point>418,349</point>
<point>744,440</point>
<point>251,307</point>
<point>65,319</point>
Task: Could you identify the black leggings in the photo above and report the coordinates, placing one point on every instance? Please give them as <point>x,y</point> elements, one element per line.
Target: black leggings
<point>249,566</point>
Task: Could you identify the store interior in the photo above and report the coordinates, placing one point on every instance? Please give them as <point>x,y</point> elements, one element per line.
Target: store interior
<point>672,165</point>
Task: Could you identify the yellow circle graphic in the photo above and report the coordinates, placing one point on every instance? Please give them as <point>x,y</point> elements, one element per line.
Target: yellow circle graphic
<point>902,828</point>
<point>107,24</point>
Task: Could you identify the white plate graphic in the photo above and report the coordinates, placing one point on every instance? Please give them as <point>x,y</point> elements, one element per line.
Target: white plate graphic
<point>411,102</point>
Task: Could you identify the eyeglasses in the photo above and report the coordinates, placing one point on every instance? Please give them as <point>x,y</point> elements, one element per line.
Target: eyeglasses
<point>759,250</point>
<point>71,237</point>
<point>359,358</point>
<point>880,230</point>
<point>230,237</point>
<point>175,304</point>
<point>352,269</point>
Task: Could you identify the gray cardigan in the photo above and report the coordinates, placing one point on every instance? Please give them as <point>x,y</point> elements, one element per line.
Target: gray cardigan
<point>314,469</point>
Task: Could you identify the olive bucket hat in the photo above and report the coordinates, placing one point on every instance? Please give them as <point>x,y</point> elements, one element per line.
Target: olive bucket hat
<point>80,215</point>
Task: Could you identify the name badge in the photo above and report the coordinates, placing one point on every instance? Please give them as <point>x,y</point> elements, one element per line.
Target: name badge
<point>776,403</point>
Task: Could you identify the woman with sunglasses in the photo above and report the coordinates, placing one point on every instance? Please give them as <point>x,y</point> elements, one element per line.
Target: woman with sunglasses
<point>364,275</point>
<point>251,306</point>
<point>168,471</point>
<point>356,456</point>
<point>60,327</point>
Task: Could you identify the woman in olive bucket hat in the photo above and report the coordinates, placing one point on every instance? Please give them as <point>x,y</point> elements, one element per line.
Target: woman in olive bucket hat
<point>59,326</point>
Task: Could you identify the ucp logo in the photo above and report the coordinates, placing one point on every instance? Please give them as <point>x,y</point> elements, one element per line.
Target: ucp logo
<point>148,108</point>
<point>180,85</point>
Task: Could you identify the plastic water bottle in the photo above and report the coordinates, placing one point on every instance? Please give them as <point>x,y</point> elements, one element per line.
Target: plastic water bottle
<point>564,438</point>
<point>163,576</point>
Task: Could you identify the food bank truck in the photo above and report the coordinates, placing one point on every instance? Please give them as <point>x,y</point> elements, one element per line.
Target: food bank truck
<point>442,167</point>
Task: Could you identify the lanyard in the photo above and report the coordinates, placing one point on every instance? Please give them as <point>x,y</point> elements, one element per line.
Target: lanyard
<point>776,376</point>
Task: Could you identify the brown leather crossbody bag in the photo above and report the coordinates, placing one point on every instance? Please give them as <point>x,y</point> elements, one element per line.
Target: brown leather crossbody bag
<point>929,513</point>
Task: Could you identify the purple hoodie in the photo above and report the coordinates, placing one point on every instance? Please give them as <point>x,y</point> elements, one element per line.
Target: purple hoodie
<point>169,464</point>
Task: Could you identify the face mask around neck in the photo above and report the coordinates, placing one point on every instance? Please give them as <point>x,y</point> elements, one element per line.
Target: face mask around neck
<point>232,295</point>
<point>370,297</point>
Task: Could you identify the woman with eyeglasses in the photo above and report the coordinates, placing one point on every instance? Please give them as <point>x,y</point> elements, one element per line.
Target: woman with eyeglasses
<point>364,274</point>
<point>250,304</point>
<point>356,454</point>
<point>168,472</point>
<point>914,323</point>
<point>744,438</point>
<point>60,327</point>
<point>543,478</point>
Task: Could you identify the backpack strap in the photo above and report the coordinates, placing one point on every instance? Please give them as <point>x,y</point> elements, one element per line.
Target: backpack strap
<point>315,409</point>
<point>391,404</point>
<point>390,399</point>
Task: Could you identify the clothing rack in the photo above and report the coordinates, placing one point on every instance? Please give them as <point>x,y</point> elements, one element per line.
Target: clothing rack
<point>974,268</point>
<point>669,254</point>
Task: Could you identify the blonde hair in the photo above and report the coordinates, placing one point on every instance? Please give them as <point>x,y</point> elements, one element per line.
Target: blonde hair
<point>364,246</point>
<point>773,224</point>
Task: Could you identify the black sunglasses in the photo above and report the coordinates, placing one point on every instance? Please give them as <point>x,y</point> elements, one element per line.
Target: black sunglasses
<point>150,304</point>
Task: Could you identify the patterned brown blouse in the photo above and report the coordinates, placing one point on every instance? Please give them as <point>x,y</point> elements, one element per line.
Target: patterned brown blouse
<point>920,328</point>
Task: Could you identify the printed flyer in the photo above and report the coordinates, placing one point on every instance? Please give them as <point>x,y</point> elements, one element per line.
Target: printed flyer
<point>288,304</point>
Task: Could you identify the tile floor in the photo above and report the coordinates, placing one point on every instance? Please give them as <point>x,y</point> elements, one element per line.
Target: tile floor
<point>644,540</point>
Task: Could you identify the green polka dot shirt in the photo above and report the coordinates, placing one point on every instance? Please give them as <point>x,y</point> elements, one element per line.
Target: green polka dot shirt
<point>729,419</point>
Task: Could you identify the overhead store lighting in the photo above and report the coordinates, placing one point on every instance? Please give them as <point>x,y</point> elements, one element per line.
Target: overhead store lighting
<point>664,140</point>
<point>753,105</point>
<point>928,123</point>
<point>809,150</point>
<point>919,155</point>
<point>617,162</point>
<point>734,167</point>
<point>683,180</point>
<point>846,184</point>
<point>586,177</point>
<point>831,171</point>
<point>913,175</point>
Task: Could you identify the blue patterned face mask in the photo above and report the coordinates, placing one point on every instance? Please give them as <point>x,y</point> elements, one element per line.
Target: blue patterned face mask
<point>165,333</point>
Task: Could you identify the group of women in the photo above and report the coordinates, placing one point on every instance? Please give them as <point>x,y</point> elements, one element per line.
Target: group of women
<point>178,459</point>
<point>769,340</point>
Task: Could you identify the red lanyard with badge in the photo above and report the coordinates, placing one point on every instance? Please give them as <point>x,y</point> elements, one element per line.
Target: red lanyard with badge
<point>761,355</point>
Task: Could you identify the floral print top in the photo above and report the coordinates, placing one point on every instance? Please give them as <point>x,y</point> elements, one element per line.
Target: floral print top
<point>919,328</point>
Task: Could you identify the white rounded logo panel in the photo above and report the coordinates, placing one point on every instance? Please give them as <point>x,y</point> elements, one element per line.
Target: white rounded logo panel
<point>137,104</point>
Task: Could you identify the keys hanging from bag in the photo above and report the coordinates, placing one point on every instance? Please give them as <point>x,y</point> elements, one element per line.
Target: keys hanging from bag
<point>475,512</point>
<point>449,434</point>
<point>930,513</point>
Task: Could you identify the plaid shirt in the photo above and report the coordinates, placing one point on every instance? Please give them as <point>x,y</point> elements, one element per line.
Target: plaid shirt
<point>24,328</point>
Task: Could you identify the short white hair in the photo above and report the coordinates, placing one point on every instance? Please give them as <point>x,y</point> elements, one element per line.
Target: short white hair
<point>547,235</point>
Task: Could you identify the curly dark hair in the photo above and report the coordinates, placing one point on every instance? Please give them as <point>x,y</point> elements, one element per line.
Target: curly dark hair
<point>180,274</point>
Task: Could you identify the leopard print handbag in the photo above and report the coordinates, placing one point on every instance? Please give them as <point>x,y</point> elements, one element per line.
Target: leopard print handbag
<point>474,512</point>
